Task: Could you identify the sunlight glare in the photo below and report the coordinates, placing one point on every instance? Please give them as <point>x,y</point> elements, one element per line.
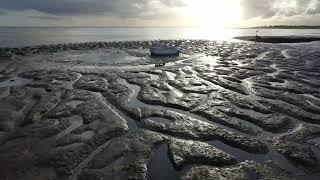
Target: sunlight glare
<point>214,13</point>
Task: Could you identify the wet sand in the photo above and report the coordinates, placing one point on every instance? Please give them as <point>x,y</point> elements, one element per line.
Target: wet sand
<point>278,39</point>
<point>229,110</point>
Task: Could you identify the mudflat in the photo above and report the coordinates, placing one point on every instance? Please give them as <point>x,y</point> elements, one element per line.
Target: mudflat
<point>222,110</point>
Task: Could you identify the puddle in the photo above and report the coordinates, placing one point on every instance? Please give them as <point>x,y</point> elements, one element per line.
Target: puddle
<point>88,57</point>
<point>277,84</point>
<point>263,55</point>
<point>86,161</point>
<point>74,103</point>
<point>4,92</point>
<point>160,167</point>
<point>252,113</point>
<point>160,120</point>
<point>171,76</point>
<point>133,66</point>
<point>208,60</point>
<point>153,77</point>
<point>75,121</point>
<point>316,142</point>
<point>15,81</point>
<point>242,156</point>
<point>86,136</point>
<point>286,54</point>
<point>311,96</point>
<point>107,59</point>
<point>204,60</point>
<point>176,92</point>
<point>132,125</point>
<point>133,101</point>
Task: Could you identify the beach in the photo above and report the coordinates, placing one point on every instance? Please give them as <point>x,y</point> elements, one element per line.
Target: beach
<point>103,110</point>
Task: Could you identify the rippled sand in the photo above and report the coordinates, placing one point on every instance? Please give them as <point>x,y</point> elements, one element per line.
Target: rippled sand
<point>104,111</point>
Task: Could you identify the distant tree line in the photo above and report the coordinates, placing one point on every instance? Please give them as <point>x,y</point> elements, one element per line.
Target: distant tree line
<point>286,27</point>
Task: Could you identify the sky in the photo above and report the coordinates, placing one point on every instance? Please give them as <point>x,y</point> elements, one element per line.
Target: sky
<point>158,13</point>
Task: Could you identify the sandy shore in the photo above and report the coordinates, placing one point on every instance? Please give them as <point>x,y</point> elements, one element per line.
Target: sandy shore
<point>221,110</point>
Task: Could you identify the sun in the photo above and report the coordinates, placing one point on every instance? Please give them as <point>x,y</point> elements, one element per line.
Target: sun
<point>214,13</point>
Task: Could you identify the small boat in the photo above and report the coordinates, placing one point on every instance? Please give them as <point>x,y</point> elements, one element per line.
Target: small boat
<point>164,51</point>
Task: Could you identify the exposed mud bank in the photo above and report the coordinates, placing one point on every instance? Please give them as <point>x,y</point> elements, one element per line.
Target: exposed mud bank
<point>220,111</point>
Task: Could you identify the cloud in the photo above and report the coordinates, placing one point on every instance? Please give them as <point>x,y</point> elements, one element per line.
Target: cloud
<point>314,8</point>
<point>144,12</point>
<point>254,8</point>
<point>151,8</point>
<point>52,18</point>
<point>3,12</point>
<point>122,8</point>
<point>271,8</point>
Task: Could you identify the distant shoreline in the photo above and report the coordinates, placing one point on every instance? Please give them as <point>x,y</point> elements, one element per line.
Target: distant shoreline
<point>255,27</point>
<point>282,27</point>
<point>278,39</point>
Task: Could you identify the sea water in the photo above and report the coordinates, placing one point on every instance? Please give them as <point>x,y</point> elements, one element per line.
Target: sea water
<point>29,36</point>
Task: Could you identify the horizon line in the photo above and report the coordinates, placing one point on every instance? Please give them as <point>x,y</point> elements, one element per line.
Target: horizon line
<point>230,27</point>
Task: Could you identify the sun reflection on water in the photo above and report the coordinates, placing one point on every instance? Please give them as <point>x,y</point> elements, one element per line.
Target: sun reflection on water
<point>211,33</point>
